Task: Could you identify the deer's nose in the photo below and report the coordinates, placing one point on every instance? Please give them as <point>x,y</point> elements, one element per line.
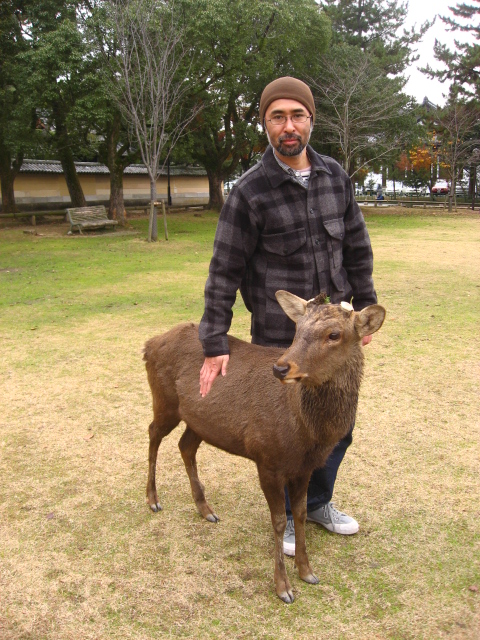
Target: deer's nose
<point>280,371</point>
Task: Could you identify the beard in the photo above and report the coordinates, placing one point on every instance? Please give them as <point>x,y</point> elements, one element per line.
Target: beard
<point>291,151</point>
<point>287,151</point>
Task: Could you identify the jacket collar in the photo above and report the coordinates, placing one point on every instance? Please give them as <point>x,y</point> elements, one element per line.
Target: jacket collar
<point>277,175</point>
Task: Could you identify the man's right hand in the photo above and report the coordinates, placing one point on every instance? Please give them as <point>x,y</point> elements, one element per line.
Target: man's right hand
<point>210,370</point>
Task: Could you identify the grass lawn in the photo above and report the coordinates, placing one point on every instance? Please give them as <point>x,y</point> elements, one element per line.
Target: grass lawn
<point>81,555</point>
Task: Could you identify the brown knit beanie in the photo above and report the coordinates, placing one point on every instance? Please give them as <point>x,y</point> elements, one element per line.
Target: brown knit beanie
<point>290,88</point>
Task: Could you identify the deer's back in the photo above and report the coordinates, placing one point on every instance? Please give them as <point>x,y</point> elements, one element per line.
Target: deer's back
<point>248,412</point>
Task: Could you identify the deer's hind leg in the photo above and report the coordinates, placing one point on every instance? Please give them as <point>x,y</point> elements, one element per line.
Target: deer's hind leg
<point>188,445</point>
<point>163,423</point>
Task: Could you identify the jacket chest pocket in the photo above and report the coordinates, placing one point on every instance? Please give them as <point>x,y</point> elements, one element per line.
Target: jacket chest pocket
<point>335,236</point>
<point>288,263</point>
<point>283,244</point>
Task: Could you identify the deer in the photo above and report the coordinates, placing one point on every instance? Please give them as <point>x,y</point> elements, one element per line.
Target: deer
<point>283,409</point>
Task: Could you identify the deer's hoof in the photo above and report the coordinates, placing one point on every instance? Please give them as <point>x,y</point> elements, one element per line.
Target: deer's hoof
<point>286,596</point>
<point>311,578</point>
<point>212,517</point>
<point>156,507</point>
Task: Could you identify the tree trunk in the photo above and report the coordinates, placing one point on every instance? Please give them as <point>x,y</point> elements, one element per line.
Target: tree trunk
<point>71,178</point>
<point>472,180</point>
<point>349,164</point>
<point>66,159</point>
<point>152,223</point>
<point>8,193</point>
<point>116,166</point>
<point>216,199</point>
<point>453,195</point>
<point>116,205</point>
<point>472,183</point>
<point>8,173</point>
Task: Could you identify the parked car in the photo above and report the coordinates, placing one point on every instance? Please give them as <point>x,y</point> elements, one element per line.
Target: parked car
<point>441,188</point>
<point>411,191</point>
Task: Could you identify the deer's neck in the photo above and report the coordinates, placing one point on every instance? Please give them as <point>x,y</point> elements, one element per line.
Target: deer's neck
<point>328,410</point>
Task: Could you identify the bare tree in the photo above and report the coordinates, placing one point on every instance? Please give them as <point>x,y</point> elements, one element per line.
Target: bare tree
<point>457,126</point>
<point>360,110</point>
<point>152,70</point>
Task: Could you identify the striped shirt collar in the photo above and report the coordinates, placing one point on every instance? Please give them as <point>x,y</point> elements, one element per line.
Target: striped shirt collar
<point>301,176</point>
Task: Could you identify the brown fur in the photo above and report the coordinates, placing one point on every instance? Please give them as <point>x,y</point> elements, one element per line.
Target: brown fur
<point>286,429</point>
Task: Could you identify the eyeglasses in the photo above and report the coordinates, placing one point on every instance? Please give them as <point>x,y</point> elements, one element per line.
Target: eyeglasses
<point>297,118</point>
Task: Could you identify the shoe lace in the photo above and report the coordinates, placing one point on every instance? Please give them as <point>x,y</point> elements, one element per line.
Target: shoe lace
<point>333,512</point>
<point>290,528</point>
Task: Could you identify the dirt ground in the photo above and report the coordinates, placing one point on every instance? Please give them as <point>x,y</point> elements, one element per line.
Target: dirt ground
<point>83,558</point>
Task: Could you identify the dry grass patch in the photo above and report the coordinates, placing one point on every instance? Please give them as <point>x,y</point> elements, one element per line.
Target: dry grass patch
<point>82,557</point>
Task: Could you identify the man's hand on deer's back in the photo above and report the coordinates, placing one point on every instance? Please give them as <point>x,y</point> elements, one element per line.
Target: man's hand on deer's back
<point>210,370</point>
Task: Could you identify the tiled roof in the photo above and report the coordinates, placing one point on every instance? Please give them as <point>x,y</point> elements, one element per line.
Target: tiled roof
<point>54,166</point>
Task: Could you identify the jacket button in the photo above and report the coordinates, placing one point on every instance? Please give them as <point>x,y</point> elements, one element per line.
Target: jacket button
<point>317,241</point>
<point>312,211</point>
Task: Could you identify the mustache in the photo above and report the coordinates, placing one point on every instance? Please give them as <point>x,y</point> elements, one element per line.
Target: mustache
<point>291,136</point>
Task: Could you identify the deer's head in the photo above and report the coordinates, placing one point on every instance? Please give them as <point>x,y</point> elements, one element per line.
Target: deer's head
<point>327,336</point>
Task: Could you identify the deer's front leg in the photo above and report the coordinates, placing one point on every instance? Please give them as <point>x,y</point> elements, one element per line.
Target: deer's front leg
<point>297,492</point>
<point>272,487</point>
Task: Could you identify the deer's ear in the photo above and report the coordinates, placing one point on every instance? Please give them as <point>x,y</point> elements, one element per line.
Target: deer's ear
<point>369,320</point>
<point>293,306</point>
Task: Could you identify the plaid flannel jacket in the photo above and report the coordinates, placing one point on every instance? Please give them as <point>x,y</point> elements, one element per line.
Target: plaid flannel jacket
<point>272,234</point>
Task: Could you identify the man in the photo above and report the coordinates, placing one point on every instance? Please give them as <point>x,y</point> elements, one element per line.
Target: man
<point>291,222</point>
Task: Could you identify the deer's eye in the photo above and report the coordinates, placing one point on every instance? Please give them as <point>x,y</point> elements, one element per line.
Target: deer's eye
<point>334,336</point>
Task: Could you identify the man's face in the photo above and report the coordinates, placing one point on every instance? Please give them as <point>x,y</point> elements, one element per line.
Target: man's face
<point>288,139</point>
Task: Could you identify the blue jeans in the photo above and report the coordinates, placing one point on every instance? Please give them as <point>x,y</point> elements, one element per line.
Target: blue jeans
<point>322,481</point>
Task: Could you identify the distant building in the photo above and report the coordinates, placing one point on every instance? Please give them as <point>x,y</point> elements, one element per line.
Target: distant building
<point>41,184</point>
<point>428,105</point>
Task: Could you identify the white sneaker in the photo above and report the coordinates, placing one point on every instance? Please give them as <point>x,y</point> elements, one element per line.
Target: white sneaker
<point>333,520</point>
<point>289,539</point>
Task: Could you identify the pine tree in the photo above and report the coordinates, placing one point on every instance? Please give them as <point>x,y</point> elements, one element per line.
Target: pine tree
<point>462,66</point>
<point>374,26</point>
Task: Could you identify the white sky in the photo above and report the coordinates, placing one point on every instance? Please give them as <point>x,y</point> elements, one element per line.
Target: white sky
<point>419,85</point>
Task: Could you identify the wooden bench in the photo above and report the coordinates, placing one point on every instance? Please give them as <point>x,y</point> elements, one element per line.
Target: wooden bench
<point>89,218</point>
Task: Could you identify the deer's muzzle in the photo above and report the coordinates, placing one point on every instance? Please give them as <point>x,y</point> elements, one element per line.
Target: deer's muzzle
<point>280,372</point>
<point>288,372</point>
